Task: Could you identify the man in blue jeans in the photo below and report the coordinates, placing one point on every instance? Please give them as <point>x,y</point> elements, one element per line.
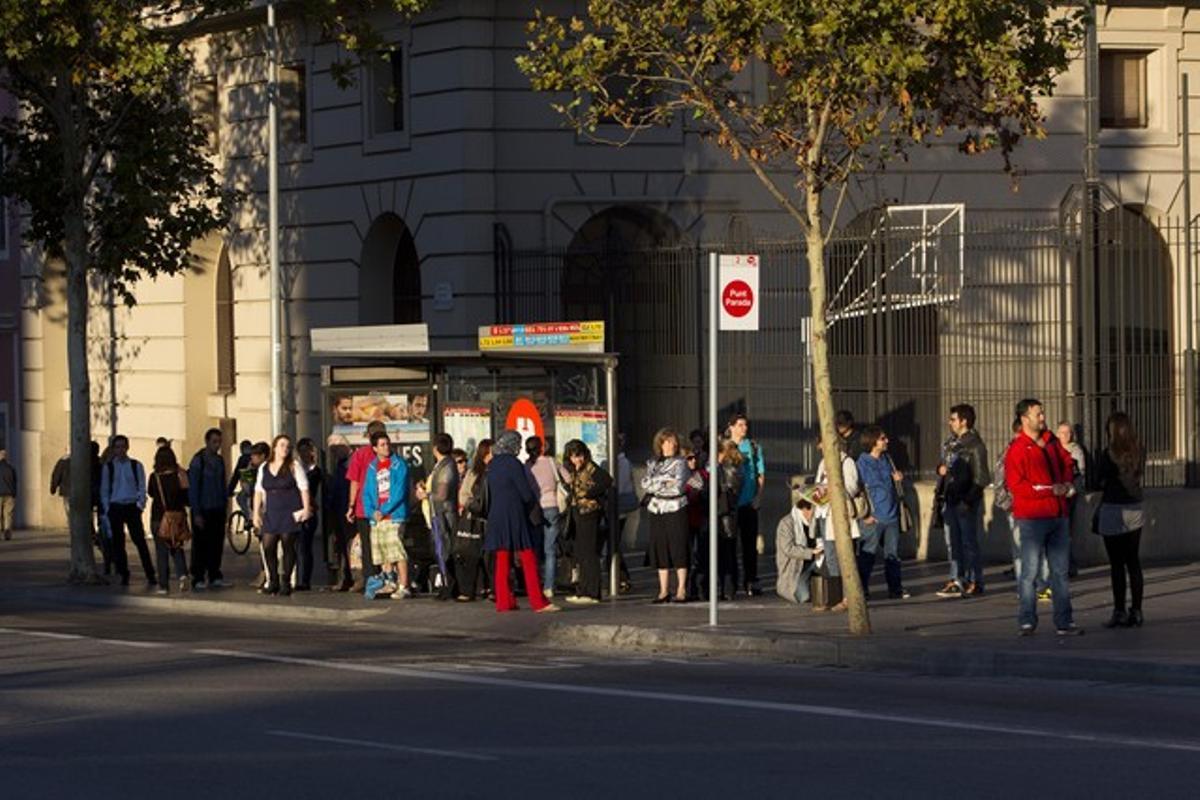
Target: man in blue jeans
<point>1039,474</point>
<point>879,477</point>
<point>966,472</point>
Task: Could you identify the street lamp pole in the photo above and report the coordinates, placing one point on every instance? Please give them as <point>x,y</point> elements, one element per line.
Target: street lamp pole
<point>273,219</point>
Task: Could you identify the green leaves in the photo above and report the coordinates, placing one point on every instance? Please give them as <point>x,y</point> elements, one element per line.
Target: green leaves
<point>884,74</point>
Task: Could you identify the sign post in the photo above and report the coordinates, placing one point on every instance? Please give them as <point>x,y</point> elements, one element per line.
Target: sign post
<point>733,306</point>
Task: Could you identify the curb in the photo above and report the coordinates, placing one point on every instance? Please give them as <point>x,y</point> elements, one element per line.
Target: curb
<point>265,612</point>
<point>890,656</point>
<point>227,609</point>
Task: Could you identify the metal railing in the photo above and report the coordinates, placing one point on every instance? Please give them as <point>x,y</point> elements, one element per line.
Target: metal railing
<point>1010,310</point>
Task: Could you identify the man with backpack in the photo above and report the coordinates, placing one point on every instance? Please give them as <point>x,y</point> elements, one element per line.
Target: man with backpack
<point>206,496</point>
<point>754,476</point>
<point>123,499</point>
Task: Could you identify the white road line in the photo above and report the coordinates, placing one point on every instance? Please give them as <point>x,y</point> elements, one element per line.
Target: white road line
<point>131,643</point>
<point>43,634</point>
<point>1184,745</point>
<point>837,712</point>
<point>395,748</point>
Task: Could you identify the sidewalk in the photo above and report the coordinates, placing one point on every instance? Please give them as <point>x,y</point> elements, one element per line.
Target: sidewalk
<point>925,634</point>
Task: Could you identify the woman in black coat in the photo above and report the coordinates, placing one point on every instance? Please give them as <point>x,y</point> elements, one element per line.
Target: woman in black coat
<point>512,503</point>
<point>589,485</point>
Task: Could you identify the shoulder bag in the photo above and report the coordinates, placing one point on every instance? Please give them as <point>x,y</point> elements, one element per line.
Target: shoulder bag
<point>173,527</point>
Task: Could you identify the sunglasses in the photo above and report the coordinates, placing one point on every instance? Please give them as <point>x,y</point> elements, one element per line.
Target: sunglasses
<point>460,461</point>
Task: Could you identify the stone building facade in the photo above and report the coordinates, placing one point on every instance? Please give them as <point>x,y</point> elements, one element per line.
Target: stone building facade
<point>400,194</point>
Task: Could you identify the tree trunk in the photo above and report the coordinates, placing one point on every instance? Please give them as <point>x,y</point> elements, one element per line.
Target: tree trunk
<point>860,622</point>
<point>83,560</point>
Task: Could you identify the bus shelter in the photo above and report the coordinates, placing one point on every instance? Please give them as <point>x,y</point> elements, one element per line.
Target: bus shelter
<point>474,395</point>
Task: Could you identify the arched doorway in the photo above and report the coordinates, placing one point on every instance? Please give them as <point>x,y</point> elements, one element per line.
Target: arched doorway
<point>629,266</point>
<point>389,283</point>
<point>885,364</point>
<point>1132,313</point>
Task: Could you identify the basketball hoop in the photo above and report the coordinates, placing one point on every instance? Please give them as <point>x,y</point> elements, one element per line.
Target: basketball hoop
<point>913,256</point>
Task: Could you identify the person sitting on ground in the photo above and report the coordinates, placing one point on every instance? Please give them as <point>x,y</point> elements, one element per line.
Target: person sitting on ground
<point>385,503</point>
<point>797,544</point>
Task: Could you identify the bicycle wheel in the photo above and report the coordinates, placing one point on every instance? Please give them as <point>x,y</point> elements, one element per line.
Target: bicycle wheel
<point>238,533</point>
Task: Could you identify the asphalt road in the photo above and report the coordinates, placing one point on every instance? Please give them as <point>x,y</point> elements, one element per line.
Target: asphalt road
<point>100,704</point>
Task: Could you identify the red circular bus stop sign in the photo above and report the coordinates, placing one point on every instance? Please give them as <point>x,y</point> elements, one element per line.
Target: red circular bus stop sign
<point>737,298</point>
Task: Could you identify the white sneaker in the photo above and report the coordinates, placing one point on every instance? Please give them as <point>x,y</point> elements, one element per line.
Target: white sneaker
<point>184,583</point>
<point>402,594</point>
<point>582,600</point>
<point>200,584</point>
<point>547,593</point>
<point>217,584</point>
<point>161,590</point>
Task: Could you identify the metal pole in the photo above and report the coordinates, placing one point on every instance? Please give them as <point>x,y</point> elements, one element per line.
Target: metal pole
<point>273,218</point>
<point>714,478</point>
<point>1089,228</point>
<point>1189,361</point>
<point>614,444</point>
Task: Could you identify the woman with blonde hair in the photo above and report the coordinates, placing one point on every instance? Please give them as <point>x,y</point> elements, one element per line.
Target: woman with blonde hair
<point>665,484</point>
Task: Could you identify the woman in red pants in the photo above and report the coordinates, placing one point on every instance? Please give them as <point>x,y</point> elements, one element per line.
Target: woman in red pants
<point>509,523</point>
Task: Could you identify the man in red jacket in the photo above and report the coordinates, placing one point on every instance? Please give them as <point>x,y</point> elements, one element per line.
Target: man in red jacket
<point>1039,473</point>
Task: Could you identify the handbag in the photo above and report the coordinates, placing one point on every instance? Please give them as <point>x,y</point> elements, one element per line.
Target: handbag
<point>728,526</point>
<point>173,527</point>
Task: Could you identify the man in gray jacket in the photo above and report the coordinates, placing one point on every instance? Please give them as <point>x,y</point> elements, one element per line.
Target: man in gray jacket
<point>967,473</point>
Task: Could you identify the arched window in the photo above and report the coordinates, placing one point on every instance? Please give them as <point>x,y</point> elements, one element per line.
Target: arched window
<point>226,349</point>
<point>389,291</point>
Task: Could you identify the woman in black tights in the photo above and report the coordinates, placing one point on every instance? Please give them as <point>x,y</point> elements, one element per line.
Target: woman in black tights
<point>1120,518</point>
<point>281,506</point>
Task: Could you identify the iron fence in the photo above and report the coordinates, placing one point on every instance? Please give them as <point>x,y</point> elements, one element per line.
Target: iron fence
<point>986,313</point>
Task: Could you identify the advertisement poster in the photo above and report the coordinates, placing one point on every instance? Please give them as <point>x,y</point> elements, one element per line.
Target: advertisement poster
<point>467,424</point>
<point>405,415</point>
<point>589,425</point>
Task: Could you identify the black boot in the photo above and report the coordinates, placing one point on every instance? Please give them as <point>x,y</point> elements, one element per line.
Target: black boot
<point>1119,619</point>
<point>1134,618</point>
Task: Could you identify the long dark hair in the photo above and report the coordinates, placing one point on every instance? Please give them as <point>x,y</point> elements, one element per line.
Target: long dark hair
<point>1123,444</point>
<point>289,461</point>
<point>575,447</point>
<point>165,460</point>
<point>482,450</point>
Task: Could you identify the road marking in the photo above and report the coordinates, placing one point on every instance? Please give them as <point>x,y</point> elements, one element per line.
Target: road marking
<point>43,634</point>
<point>836,712</point>
<point>395,748</point>
<point>131,643</point>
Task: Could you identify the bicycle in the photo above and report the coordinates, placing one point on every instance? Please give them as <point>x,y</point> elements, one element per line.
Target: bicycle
<point>239,530</point>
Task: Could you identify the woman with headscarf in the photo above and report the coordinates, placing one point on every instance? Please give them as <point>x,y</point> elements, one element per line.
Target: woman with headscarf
<point>512,512</point>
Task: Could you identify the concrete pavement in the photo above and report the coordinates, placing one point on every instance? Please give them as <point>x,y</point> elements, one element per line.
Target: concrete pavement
<point>923,635</point>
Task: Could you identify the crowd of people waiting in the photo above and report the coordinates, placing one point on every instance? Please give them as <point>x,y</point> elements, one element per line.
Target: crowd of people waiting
<point>511,519</point>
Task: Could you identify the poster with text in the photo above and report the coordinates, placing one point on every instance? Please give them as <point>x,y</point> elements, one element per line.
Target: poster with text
<point>467,425</point>
<point>589,425</point>
<point>406,416</point>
